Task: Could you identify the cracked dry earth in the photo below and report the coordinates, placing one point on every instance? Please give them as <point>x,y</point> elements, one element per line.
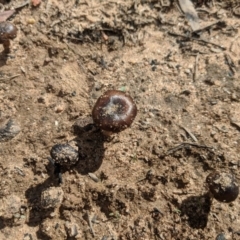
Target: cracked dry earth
<point>148,181</point>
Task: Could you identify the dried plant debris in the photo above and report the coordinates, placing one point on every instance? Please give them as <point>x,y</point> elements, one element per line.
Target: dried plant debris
<point>148,181</point>
<point>9,129</point>
<point>190,13</point>
<point>227,4</point>
<point>5,15</point>
<point>108,19</point>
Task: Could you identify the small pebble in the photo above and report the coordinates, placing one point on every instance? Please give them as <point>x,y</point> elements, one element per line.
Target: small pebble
<point>59,108</point>
<point>52,197</point>
<point>10,206</point>
<point>93,177</point>
<point>71,229</point>
<point>220,237</point>
<point>27,236</point>
<point>31,21</point>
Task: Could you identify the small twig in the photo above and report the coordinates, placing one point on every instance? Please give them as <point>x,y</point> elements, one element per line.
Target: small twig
<point>22,5</point>
<point>230,63</point>
<point>142,179</point>
<point>195,74</point>
<point>195,39</point>
<point>9,78</point>
<point>155,209</point>
<point>233,42</point>
<point>189,133</point>
<point>87,39</point>
<point>215,215</point>
<point>51,161</point>
<point>184,145</point>
<point>182,192</point>
<point>90,224</point>
<point>218,23</point>
<point>20,171</point>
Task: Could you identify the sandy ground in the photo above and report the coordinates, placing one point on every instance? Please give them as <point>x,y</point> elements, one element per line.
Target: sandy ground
<point>147,182</point>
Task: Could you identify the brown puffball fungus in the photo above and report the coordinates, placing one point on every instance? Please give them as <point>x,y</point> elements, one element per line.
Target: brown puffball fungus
<point>8,32</point>
<point>223,186</point>
<point>114,111</point>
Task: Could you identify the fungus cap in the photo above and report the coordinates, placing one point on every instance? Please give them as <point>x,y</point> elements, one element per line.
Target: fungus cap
<point>114,111</point>
<point>223,186</point>
<point>64,154</point>
<point>8,31</point>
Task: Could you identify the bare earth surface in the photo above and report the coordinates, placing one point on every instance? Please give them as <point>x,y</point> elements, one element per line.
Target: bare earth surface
<point>147,182</point>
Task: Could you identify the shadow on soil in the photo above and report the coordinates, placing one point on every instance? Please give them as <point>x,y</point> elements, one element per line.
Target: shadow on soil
<point>37,214</point>
<point>91,152</point>
<point>90,142</point>
<point>3,58</point>
<point>196,208</point>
